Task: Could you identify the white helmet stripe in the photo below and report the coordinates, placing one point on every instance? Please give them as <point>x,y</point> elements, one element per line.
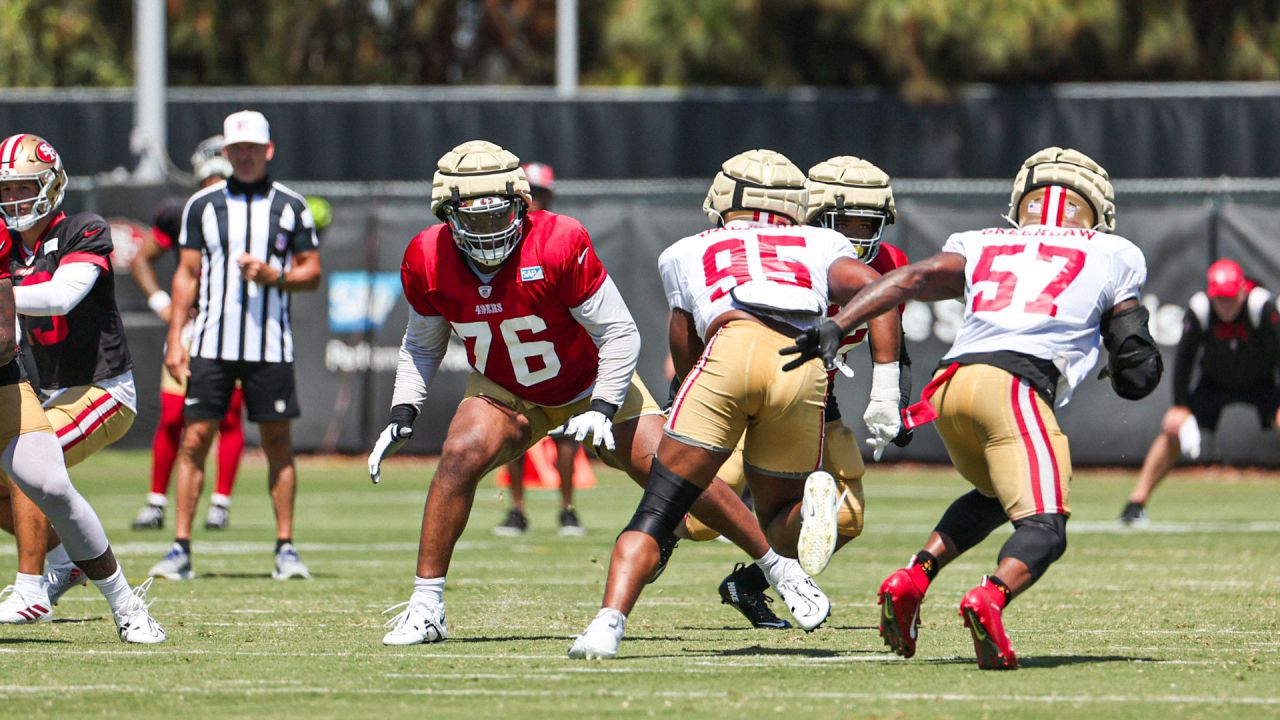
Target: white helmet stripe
<point>1051,210</point>
<point>9,150</point>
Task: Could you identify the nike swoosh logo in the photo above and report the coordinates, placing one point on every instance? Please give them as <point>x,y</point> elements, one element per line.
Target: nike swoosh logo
<point>581,256</point>
<point>90,233</point>
<point>190,401</point>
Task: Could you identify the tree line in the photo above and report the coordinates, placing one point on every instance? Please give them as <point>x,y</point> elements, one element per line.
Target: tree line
<point>921,48</point>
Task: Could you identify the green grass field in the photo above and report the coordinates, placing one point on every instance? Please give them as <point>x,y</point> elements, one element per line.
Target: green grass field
<point>1182,620</point>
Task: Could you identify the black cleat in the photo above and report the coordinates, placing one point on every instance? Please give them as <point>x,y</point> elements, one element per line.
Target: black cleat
<point>515,524</point>
<point>664,556</point>
<point>1134,515</point>
<point>743,589</point>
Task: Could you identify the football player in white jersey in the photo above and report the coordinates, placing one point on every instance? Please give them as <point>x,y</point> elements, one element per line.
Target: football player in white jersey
<point>737,293</point>
<point>854,197</point>
<point>1054,286</point>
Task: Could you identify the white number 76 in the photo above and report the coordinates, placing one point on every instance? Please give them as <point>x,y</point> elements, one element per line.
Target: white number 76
<point>518,351</point>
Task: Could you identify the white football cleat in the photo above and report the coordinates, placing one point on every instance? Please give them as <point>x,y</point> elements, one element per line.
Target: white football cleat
<point>62,578</point>
<point>150,517</point>
<point>134,622</point>
<point>806,601</point>
<point>288,565</point>
<point>422,621</point>
<point>819,512</point>
<point>24,606</point>
<point>601,638</point>
<point>175,565</point>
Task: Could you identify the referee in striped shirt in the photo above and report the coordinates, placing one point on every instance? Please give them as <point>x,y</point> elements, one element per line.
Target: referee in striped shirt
<point>246,245</point>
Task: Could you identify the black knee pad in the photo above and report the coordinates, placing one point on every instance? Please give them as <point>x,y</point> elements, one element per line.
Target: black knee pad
<point>1037,541</point>
<point>970,519</point>
<point>666,499</point>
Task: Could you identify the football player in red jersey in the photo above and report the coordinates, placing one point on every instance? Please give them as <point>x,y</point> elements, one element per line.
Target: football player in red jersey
<point>551,343</point>
<point>210,167</point>
<point>542,190</point>
<point>79,352</point>
<point>854,197</point>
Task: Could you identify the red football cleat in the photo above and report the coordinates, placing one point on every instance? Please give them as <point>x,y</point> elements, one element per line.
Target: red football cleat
<point>980,609</point>
<point>900,596</point>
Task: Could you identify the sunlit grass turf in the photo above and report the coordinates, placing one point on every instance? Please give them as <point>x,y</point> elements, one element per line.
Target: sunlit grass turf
<point>1182,620</point>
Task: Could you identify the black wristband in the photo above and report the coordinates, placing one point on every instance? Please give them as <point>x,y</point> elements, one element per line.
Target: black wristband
<point>404,415</point>
<point>606,409</point>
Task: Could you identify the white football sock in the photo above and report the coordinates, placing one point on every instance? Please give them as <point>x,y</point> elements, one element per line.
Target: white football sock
<point>431,587</point>
<point>220,500</point>
<point>31,586</point>
<point>774,567</point>
<point>115,589</point>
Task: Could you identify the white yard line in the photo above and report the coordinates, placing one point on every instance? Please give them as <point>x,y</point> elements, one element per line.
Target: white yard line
<point>720,695</point>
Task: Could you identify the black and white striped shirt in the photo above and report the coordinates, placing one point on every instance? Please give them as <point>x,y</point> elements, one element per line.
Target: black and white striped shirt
<point>239,319</point>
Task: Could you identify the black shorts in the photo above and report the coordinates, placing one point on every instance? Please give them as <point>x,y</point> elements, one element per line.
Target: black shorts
<point>1207,402</point>
<point>269,391</point>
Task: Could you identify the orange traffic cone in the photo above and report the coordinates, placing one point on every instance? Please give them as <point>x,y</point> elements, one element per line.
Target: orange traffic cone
<point>540,468</point>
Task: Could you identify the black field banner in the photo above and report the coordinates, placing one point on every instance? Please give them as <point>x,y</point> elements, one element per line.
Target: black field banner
<point>347,333</point>
<point>1147,130</point>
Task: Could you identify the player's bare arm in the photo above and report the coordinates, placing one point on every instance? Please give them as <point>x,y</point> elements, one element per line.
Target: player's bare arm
<point>847,278</point>
<point>186,280</point>
<point>142,269</point>
<point>940,277</point>
<point>683,341</point>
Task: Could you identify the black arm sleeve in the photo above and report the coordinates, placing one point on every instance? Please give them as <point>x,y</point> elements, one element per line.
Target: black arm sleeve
<point>1133,358</point>
<point>904,392</point>
<point>1184,359</point>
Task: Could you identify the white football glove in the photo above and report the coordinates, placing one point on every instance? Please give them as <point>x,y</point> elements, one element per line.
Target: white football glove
<point>391,439</point>
<point>1189,438</point>
<point>883,418</point>
<point>593,422</point>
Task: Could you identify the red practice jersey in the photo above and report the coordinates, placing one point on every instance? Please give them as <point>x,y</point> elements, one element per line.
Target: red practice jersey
<point>517,326</point>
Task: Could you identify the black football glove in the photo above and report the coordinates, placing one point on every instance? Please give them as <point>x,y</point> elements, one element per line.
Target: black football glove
<point>818,342</point>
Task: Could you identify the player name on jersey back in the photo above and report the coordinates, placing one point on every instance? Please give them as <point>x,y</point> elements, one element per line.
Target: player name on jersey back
<point>1042,291</point>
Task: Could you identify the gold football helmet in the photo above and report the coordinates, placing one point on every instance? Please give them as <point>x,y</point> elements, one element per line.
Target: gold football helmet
<point>757,181</point>
<point>28,157</point>
<point>480,190</point>
<point>847,187</point>
<point>1072,169</point>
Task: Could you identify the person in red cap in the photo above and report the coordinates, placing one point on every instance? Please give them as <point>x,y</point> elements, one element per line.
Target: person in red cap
<point>542,186</point>
<point>1229,334</point>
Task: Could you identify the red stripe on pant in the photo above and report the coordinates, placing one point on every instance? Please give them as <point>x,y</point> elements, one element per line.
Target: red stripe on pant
<point>75,423</point>
<point>1053,458</point>
<point>688,382</point>
<point>1032,459</point>
<point>89,431</point>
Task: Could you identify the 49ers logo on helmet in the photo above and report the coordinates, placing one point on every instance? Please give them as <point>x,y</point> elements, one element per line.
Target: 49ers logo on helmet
<point>45,153</point>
